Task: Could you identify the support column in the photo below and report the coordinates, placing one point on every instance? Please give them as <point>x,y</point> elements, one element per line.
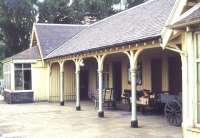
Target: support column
<point>78,64</point>
<point>78,107</point>
<point>134,121</point>
<point>49,90</point>
<point>12,76</point>
<point>133,56</point>
<point>100,60</point>
<point>191,79</point>
<point>184,91</point>
<point>100,112</point>
<point>62,83</point>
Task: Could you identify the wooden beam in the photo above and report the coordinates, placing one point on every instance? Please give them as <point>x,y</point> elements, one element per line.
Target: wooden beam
<point>191,4</point>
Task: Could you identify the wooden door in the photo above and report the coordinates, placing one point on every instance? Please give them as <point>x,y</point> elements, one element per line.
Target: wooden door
<point>156,75</point>
<point>175,75</point>
<point>84,84</point>
<point>117,80</point>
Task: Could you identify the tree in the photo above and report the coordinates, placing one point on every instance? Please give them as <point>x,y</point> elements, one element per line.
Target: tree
<point>132,3</point>
<point>17,17</point>
<point>55,11</point>
<point>100,8</point>
<point>59,11</point>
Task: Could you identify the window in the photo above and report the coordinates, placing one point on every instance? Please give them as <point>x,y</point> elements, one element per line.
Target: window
<point>97,80</point>
<point>198,76</point>
<point>138,74</point>
<point>105,78</point>
<point>198,92</point>
<point>23,78</point>
<point>7,76</point>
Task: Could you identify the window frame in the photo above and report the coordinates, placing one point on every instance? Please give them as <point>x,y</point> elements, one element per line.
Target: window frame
<point>197,61</point>
<point>139,74</point>
<point>7,76</point>
<point>23,83</point>
<point>105,77</point>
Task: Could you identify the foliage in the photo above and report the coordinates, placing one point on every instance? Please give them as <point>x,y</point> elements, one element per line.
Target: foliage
<point>17,17</point>
<point>99,8</point>
<point>132,3</point>
<point>54,11</point>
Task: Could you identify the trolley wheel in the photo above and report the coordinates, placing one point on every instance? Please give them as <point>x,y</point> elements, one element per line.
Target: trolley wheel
<point>173,113</point>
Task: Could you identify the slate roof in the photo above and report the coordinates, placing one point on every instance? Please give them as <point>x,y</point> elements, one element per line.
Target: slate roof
<point>190,17</point>
<point>30,53</point>
<point>51,36</point>
<point>138,23</point>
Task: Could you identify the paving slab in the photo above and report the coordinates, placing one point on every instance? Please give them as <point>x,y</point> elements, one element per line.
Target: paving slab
<point>48,120</point>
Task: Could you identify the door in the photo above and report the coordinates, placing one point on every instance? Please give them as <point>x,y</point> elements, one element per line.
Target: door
<point>156,75</point>
<point>175,75</point>
<point>117,80</point>
<point>84,84</point>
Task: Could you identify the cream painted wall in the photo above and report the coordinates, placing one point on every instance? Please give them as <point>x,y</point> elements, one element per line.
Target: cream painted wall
<point>146,73</point>
<point>146,59</point>
<point>146,70</point>
<point>91,66</point>
<point>54,94</point>
<point>92,81</point>
<point>40,81</point>
<point>190,95</point>
<point>191,133</point>
<point>8,75</point>
<point>165,74</point>
<point>69,81</point>
<point>125,66</point>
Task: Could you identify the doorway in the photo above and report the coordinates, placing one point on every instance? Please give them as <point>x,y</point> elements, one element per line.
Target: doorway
<point>84,84</point>
<point>156,75</point>
<point>175,75</point>
<point>117,80</point>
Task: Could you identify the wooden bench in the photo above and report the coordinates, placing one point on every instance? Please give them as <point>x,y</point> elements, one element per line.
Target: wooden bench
<point>143,103</point>
<point>147,102</point>
<point>107,98</point>
<point>126,97</point>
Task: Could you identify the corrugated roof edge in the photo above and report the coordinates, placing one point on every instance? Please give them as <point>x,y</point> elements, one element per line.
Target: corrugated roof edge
<point>147,2</point>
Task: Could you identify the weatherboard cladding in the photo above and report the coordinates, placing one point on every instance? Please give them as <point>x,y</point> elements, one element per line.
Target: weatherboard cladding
<point>51,36</point>
<point>140,22</point>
